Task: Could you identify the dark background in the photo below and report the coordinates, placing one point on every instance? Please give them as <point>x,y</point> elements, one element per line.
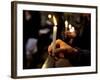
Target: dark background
<point>39,20</point>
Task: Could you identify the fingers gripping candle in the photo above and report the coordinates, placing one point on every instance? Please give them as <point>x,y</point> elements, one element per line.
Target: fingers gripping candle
<point>54,35</point>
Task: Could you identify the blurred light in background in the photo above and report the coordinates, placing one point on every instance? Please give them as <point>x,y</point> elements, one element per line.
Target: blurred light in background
<point>49,16</point>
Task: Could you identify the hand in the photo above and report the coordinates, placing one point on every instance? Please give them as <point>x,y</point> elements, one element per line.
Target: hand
<point>61,49</point>
<point>71,34</point>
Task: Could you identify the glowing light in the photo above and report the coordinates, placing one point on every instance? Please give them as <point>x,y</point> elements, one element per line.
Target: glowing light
<point>55,21</point>
<point>49,16</point>
<point>70,26</point>
<point>72,29</point>
<point>66,23</point>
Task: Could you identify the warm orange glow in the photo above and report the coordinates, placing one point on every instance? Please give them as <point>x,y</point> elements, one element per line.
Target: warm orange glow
<point>54,20</point>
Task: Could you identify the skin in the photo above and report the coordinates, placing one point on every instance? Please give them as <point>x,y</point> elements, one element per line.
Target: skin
<point>61,49</point>
<point>71,34</point>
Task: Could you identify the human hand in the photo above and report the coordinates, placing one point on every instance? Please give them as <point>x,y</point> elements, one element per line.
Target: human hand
<point>61,49</point>
<point>70,34</point>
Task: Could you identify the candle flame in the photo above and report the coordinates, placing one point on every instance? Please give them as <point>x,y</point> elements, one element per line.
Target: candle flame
<point>66,23</point>
<point>54,20</point>
<point>72,29</point>
<point>70,26</point>
<point>49,16</point>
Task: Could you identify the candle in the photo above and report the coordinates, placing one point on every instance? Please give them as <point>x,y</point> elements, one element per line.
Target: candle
<point>72,29</point>
<point>54,34</point>
<point>70,26</point>
<point>55,21</point>
<point>66,25</point>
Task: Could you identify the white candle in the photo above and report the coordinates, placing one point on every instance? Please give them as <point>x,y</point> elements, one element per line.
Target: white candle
<point>70,26</point>
<point>54,34</point>
<point>55,21</point>
<point>54,38</point>
<point>72,29</point>
<point>66,25</point>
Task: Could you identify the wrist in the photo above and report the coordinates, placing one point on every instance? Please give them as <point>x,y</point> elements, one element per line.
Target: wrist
<point>72,53</point>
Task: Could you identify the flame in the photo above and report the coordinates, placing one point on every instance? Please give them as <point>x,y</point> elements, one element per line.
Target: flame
<point>49,16</point>
<point>66,23</point>
<point>70,26</point>
<point>72,29</point>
